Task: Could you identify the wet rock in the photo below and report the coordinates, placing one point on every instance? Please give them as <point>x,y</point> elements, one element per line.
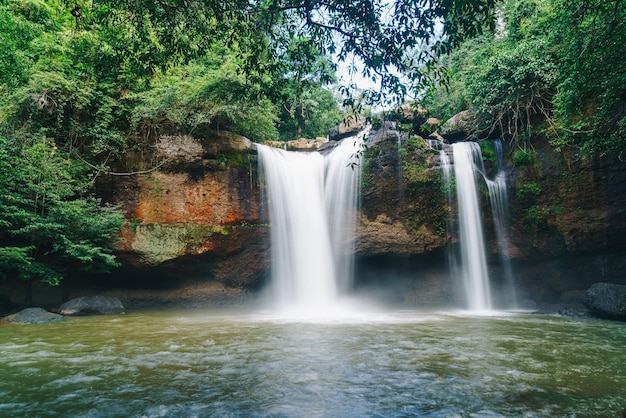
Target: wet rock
<point>33,316</point>
<point>302,144</point>
<point>607,300</point>
<point>96,305</point>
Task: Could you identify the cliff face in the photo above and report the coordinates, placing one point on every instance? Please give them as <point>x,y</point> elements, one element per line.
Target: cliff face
<point>567,221</point>
<point>403,207</point>
<point>200,216</point>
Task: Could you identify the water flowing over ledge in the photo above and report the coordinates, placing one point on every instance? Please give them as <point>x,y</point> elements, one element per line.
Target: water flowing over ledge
<point>313,201</point>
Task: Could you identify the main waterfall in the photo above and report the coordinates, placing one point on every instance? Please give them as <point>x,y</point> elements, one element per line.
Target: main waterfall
<point>312,201</point>
<point>473,259</point>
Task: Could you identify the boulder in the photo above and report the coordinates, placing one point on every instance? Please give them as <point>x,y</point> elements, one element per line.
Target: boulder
<point>459,127</point>
<point>350,127</point>
<point>33,316</point>
<point>431,125</point>
<point>94,305</point>
<point>606,300</point>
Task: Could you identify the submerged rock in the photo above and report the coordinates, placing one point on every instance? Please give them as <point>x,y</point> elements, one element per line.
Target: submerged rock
<point>33,316</point>
<point>607,300</point>
<point>95,305</point>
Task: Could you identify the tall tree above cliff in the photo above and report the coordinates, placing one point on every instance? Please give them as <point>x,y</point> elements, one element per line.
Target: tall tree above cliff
<point>556,68</point>
<point>379,33</point>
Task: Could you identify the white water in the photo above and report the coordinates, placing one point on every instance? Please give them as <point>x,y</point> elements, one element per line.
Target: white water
<point>312,203</point>
<point>498,197</point>
<point>473,267</point>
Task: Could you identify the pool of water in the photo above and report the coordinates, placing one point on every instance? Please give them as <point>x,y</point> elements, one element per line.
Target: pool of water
<point>393,364</point>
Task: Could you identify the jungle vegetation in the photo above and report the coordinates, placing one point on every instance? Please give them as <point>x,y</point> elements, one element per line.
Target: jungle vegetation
<point>553,68</point>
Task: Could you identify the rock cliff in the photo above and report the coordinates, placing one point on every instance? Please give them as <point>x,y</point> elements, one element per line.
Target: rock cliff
<point>200,217</point>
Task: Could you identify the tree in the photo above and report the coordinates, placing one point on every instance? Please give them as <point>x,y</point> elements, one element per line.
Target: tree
<point>556,69</point>
<point>379,33</point>
<point>50,226</point>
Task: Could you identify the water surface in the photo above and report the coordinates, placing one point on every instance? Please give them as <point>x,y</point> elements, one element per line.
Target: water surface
<point>229,363</point>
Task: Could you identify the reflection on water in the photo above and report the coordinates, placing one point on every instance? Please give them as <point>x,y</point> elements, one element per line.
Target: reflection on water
<point>227,363</point>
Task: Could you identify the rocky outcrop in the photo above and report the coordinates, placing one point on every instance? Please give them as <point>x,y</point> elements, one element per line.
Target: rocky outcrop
<point>94,305</point>
<point>302,144</point>
<point>386,236</point>
<point>563,204</point>
<point>202,200</point>
<point>350,127</point>
<point>403,207</point>
<point>459,127</point>
<point>33,316</point>
<point>607,300</point>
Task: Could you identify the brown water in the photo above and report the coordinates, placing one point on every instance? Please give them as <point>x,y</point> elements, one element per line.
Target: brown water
<point>394,364</point>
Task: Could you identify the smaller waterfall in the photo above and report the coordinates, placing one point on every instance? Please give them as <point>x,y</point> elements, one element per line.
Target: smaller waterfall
<point>473,259</point>
<point>472,264</point>
<point>498,198</point>
<point>312,203</point>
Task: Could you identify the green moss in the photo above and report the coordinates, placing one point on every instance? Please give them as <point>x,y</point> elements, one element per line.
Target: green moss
<point>429,207</point>
<point>535,219</point>
<point>134,223</point>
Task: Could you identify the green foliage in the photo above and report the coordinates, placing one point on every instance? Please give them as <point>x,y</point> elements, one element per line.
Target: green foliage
<point>522,157</point>
<point>536,219</point>
<point>556,69</point>
<point>589,106</point>
<point>49,223</point>
<point>487,150</point>
<point>528,191</point>
<point>387,37</point>
<point>208,93</point>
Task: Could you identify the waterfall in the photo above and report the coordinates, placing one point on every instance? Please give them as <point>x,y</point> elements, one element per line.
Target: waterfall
<point>473,266</point>
<point>498,198</point>
<point>468,168</point>
<point>312,202</point>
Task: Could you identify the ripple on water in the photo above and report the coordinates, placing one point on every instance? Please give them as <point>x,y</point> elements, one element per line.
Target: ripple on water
<point>405,363</point>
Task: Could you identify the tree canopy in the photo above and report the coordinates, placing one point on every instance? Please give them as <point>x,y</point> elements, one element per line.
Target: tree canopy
<point>555,68</point>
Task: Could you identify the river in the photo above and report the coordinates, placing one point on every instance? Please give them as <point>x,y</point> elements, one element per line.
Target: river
<point>229,363</point>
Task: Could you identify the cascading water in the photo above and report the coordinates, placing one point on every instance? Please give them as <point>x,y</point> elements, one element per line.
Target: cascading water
<point>468,165</point>
<point>500,209</point>
<point>473,266</point>
<point>312,203</point>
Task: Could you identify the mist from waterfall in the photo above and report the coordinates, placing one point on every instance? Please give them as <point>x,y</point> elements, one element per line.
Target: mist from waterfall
<point>312,201</point>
